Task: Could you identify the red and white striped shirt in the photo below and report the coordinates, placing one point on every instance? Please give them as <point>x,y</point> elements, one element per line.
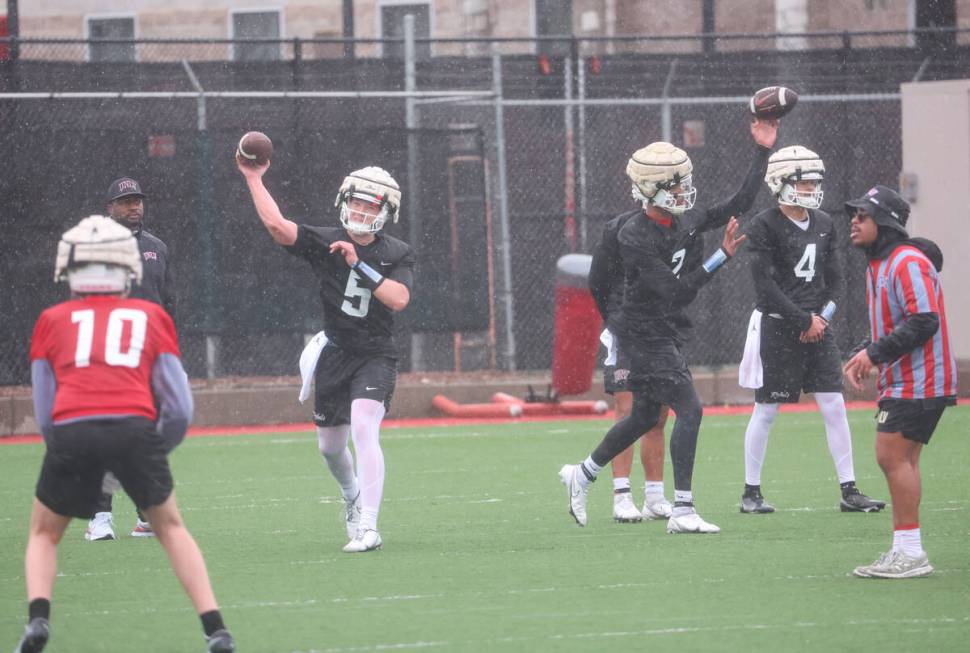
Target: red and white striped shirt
<point>903,284</point>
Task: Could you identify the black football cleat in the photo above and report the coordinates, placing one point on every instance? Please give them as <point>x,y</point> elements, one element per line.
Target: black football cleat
<point>221,642</point>
<point>855,501</point>
<point>752,502</point>
<point>36,634</point>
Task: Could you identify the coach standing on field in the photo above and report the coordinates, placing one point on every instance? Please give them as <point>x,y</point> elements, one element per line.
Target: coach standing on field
<point>910,347</point>
<point>126,206</point>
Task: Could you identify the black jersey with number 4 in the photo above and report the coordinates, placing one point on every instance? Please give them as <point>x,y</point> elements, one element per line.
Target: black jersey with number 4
<point>796,271</point>
<point>352,317</point>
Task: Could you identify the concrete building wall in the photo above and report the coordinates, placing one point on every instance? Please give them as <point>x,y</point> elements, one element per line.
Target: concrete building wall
<point>507,18</point>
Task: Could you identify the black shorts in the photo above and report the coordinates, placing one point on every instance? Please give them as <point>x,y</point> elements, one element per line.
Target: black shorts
<point>616,377</point>
<point>79,453</point>
<point>657,362</point>
<point>916,419</point>
<point>342,376</point>
<point>791,367</point>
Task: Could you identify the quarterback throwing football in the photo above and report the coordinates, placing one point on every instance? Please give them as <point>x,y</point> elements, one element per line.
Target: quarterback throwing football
<point>664,268</point>
<point>365,277</point>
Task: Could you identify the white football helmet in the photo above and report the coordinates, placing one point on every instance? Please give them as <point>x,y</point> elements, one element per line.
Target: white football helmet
<point>98,256</point>
<point>374,185</point>
<point>792,164</point>
<point>655,170</point>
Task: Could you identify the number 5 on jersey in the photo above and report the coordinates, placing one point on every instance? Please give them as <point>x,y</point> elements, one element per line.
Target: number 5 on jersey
<point>355,291</point>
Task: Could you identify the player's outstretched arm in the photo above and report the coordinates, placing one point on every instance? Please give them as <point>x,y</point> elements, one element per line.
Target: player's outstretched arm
<point>282,230</point>
<point>764,133</point>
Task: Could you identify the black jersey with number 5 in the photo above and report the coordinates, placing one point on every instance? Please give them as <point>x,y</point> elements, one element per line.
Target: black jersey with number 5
<point>796,271</point>
<point>352,317</point>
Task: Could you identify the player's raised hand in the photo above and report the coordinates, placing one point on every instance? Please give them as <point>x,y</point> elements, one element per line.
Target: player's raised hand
<point>249,169</point>
<point>731,240</point>
<point>764,132</point>
<point>347,250</point>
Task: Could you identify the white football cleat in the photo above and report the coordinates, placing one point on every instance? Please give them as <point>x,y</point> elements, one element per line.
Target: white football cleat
<point>624,512</point>
<point>100,528</point>
<point>656,506</point>
<point>365,540</point>
<point>576,491</point>
<point>352,515</point>
<point>690,522</point>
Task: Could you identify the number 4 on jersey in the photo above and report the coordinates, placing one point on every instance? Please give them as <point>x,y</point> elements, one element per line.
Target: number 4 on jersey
<point>805,268</point>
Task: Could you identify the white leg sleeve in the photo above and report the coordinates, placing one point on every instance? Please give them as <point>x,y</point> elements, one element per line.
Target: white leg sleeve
<point>756,441</point>
<point>832,406</point>
<point>333,445</point>
<point>365,426</point>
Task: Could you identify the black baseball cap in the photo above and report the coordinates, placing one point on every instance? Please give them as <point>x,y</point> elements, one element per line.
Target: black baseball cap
<point>123,187</point>
<point>886,206</point>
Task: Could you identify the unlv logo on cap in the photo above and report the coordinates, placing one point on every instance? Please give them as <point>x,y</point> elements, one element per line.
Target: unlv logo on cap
<point>873,191</point>
<point>127,184</point>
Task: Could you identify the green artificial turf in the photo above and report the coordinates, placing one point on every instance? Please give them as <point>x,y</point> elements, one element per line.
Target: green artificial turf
<point>480,553</point>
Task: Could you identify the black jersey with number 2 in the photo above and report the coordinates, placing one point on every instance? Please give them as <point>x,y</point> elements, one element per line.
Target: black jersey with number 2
<point>352,317</point>
<point>796,271</point>
<point>663,262</point>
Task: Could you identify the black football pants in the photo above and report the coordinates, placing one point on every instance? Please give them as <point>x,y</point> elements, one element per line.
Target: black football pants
<point>683,399</point>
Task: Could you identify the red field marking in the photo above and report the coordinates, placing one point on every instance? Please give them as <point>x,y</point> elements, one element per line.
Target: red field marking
<point>222,431</point>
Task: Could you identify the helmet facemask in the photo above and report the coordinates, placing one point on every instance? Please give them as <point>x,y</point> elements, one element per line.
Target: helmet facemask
<point>675,198</point>
<point>807,199</point>
<point>362,222</point>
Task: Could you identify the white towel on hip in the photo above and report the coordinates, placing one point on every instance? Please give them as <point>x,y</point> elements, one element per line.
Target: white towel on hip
<point>308,362</point>
<point>609,341</point>
<point>751,373</point>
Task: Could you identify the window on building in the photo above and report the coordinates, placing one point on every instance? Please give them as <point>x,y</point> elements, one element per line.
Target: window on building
<point>392,27</point>
<point>554,18</point>
<point>255,25</point>
<point>110,27</point>
<point>936,13</point>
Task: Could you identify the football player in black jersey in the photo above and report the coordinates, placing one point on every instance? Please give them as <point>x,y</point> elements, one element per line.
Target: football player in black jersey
<point>606,286</point>
<point>365,277</point>
<point>790,349</point>
<point>126,206</point>
<point>664,267</point>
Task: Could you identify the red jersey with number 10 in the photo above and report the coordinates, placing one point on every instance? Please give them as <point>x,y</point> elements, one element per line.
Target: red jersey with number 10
<point>102,350</point>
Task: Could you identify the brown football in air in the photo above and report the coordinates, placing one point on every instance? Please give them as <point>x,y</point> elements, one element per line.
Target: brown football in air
<point>772,102</point>
<point>255,148</point>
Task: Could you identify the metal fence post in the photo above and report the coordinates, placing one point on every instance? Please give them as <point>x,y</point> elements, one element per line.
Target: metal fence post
<point>414,174</point>
<point>569,185</point>
<point>206,228</point>
<point>504,248</point>
<point>581,146</point>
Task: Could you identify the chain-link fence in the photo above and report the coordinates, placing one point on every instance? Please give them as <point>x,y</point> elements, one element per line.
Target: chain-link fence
<point>507,162</point>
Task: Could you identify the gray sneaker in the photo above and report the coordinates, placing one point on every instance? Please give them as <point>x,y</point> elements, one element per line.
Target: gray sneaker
<point>896,564</point>
<point>865,571</point>
<point>36,634</point>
